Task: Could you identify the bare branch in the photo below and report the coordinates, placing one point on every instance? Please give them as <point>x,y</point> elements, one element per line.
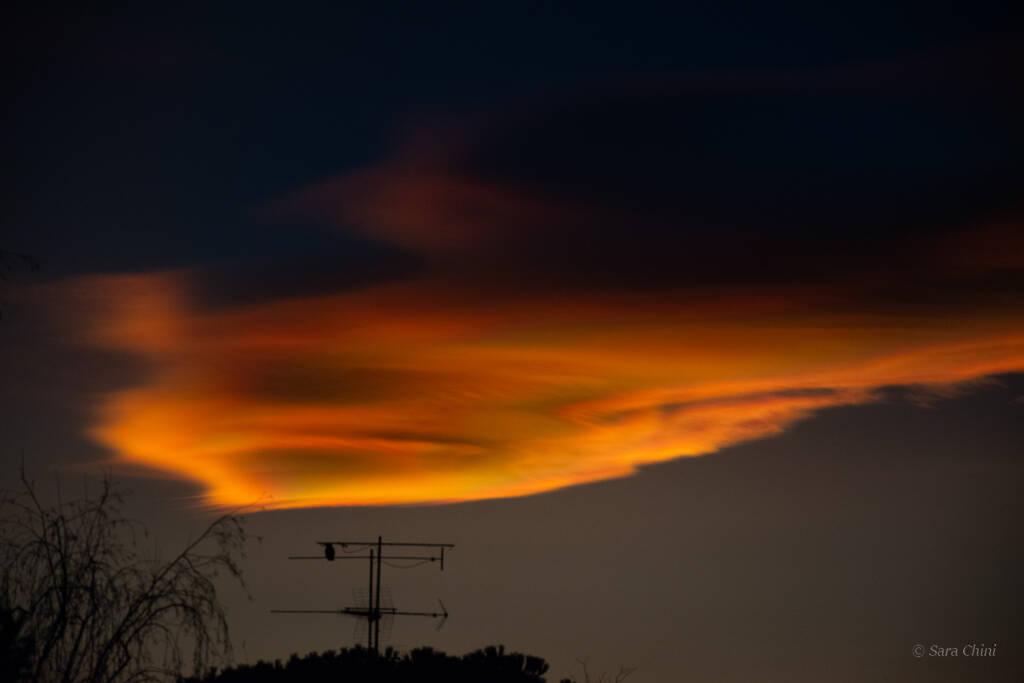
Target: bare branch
<point>87,606</point>
<point>604,677</point>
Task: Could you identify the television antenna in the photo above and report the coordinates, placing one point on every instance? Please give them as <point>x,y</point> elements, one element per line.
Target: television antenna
<point>372,611</point>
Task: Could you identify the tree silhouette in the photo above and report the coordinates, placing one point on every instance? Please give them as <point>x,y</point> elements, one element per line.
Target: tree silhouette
<point>78,602</point>
<point>422,665</point>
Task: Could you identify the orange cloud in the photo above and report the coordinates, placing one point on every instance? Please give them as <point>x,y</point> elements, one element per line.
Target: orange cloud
<point>598,285</point>
<point>424,393</point>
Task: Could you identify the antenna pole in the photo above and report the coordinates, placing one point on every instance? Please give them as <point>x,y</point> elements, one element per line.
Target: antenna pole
<point>369,597</point>
<point>376,610</point>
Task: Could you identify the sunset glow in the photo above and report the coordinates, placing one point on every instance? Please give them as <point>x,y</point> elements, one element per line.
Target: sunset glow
<point>409,394</point>
<point>551,330</point>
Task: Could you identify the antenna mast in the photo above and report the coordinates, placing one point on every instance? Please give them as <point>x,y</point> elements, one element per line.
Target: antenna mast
<point>373,611</point>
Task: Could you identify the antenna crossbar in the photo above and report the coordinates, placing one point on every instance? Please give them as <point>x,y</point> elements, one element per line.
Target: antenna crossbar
<point>363,557</point>
<point>373,612</point>
<point>372,543</point>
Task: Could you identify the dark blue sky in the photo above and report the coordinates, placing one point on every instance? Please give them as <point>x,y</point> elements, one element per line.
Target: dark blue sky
<point>156,133</point>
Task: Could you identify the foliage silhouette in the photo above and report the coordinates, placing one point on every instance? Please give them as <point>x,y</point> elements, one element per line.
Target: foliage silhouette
<point>422,665</point>
<point>78,602</point>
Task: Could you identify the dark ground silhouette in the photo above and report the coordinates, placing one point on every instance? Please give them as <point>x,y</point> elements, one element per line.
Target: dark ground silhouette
<point>422,665</point>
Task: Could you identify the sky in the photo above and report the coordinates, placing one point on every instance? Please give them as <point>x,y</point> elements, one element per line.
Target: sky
<point>697,330</point>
